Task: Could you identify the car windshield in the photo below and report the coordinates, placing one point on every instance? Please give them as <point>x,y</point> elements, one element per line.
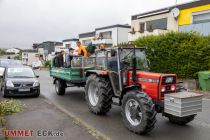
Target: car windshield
<point>20,73</point>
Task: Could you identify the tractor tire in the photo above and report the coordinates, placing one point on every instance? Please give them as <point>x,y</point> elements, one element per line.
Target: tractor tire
<point>60,87</point>
<point>139,105</point>
<point>98,94</point>
<point>181,120</point>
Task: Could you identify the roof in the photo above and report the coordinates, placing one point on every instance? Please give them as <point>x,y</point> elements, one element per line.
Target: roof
<point>30,51</point>
<point>58,43</point>
<point>88,34</point>
<point>114,26</point>
<point>187,5</point>
<point>72,39</point>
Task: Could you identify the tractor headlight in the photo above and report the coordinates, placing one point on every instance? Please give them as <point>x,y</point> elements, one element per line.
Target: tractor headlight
<point>172,87</point>
<point>163,89</point>
<point>36,84</point>
<point>9,84</point>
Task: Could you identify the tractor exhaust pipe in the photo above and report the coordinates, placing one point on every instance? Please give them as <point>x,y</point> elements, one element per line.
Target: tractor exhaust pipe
<point>134,65</point>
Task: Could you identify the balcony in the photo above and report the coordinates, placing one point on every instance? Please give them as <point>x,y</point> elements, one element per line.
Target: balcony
<point>136,35</point>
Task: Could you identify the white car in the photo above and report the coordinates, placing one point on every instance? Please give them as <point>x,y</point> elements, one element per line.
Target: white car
<point>36,65</point>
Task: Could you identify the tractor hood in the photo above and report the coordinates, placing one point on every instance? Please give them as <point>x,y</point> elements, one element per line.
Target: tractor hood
<point>152,82</point>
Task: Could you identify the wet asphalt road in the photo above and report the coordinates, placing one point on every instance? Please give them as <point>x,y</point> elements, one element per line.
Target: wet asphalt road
<point>112,126</point>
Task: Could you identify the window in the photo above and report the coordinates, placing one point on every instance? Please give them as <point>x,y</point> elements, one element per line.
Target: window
<point>86,42</point>
<point>142,27</point>
<point>156,24</point>
<point>105,35</point>
<point>201,17</point>
<point>68,45</point>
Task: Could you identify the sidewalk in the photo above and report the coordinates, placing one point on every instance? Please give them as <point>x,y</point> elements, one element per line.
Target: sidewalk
<point>40,115</point>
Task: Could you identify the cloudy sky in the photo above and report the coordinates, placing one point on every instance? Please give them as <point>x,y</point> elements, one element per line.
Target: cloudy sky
<point>24,22</point>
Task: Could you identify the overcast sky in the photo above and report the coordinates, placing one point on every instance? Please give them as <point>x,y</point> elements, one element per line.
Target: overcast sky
<point>24,22</point>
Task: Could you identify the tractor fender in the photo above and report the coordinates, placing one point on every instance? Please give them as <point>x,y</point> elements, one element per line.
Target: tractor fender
<point>128,88</point>
<point>96,72</point>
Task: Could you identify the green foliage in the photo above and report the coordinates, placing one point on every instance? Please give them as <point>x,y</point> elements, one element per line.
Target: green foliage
<point>180,53</point>
<point>2,52</point>
<point>46,63</point>
<point>9,107</point>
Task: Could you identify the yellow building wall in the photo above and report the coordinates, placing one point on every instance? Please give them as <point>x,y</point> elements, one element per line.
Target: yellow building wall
<point>186,14</point>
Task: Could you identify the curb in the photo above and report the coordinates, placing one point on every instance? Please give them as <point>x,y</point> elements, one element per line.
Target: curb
<point>95,133</point>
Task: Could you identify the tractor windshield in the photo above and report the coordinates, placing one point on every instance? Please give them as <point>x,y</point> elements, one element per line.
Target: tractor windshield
<point>126,58</point>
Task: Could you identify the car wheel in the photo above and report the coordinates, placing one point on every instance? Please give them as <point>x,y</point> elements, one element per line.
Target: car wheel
<point>4,93</point>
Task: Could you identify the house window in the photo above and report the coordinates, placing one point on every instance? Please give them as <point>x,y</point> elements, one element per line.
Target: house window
<point>68,45</point>
<point>105,35</point>
<point>156,24</point>
<point>201,17</point>
<point>86,42</point>
<point>142,27</point>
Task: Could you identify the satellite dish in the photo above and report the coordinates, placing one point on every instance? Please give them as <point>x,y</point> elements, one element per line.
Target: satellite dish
<point>175,12</point>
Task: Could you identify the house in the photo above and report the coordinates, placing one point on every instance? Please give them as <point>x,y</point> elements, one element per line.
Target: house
<point>70,43</point>
<point>112,35</point>
<point>191,16</point>
<point>59,47</point>
<point>29,56</point>
<point>13,50</point>
<point>195,16</point>
<point>45,49</point>
<point>87,38</point>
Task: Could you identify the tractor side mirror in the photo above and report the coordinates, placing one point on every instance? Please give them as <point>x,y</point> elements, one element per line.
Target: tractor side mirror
<point>113,53</point>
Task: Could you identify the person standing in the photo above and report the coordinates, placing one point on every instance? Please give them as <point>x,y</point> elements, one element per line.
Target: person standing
<point>61,59</point>
<point>81,49</point>
<point>69,57</point>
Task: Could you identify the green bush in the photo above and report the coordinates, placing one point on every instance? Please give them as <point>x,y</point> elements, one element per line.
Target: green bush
<point>181,53</point>
<point>8,107</point>
<point>46,63</point>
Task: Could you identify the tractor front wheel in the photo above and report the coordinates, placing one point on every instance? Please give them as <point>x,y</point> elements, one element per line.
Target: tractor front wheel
<point>98,94</point>
<point>181,120</point>
<point>138,112</point>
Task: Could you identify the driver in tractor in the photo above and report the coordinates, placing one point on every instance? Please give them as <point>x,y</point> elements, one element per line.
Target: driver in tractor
<point>81,50</point>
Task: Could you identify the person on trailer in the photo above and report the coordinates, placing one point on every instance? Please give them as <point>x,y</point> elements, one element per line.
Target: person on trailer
<point>81,49</point>
<point>69,57</point>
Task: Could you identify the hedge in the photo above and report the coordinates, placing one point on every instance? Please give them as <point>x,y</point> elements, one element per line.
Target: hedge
<point>177,52</point>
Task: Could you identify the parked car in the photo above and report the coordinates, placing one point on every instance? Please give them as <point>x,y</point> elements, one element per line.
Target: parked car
<point>19,81</point>
<point>36,65</point>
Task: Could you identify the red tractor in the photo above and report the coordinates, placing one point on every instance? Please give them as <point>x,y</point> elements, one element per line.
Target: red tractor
<point>120,74</point>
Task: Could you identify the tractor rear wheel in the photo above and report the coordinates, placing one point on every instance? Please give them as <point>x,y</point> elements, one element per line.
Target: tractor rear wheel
<point>138,112</point>
<point>181,120</point>
<point>60,87</point>
<point>98,94</point>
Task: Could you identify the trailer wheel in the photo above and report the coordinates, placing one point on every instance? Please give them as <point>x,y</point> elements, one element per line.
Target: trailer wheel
<point>60,87</point>
<point>98,94</point>
<point>138,112</point>
<point>181,120</point>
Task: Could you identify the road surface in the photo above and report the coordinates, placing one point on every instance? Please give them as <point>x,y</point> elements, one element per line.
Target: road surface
<point>111,125</point>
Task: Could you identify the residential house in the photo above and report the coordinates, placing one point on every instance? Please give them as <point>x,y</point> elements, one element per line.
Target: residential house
<point>191,16</point>
<point>70,43</point>
<point>45,49</point>
<point>195,16</point>
<point>87,38</point>
<point>112,35</point>
<point>29,56</point>
<point>59,47</point>
<point>13,50</point>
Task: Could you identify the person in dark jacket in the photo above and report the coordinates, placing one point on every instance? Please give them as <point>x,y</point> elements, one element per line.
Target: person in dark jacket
<point>56,60</point>
<point>61,59</point>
